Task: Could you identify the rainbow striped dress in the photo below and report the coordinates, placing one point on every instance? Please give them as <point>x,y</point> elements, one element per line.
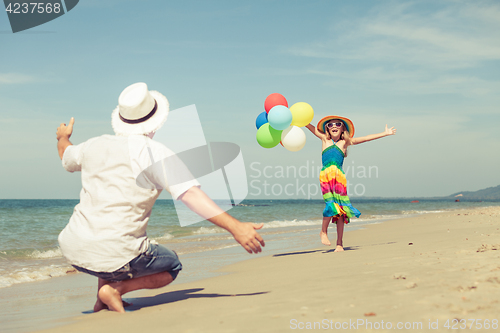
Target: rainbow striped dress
<point>333,185</point>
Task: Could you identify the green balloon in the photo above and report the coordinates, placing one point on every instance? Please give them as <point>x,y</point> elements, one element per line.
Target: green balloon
<point>267,136</point>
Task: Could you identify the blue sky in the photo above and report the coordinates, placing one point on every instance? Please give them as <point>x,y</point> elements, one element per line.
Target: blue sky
<point>431,69</point>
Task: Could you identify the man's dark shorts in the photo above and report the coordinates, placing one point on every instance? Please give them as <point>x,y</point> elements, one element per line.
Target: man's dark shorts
<point>156,259</point>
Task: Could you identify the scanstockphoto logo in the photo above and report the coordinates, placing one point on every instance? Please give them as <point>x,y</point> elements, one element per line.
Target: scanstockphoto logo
<point>25,15</point>
<point>301,181</point>
<point>217,166</point>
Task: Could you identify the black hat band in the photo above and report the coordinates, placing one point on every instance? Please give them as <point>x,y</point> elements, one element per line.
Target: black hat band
<point>140,120</point>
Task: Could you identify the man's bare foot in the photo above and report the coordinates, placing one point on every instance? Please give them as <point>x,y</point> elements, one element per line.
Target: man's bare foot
<point>99,305</point>
<point>339,248</point>
<point>112,298</point>
<point>324,238</point>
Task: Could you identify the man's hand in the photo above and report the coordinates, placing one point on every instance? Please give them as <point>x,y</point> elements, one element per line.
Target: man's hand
<point>65,131</point>
<point>245,234</point>
<point>63,134</point>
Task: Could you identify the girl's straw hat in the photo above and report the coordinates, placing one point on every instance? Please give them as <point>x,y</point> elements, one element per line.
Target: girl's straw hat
<point>347,123</point>
<point>139,111</point>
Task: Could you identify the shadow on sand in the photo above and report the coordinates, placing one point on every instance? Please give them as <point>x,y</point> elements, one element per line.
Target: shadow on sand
<point>347,248</point>
<point>294,253</point>
<point>174,296</point>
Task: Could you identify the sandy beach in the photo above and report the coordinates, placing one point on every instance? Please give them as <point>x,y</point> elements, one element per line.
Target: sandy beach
<point>416,274</point>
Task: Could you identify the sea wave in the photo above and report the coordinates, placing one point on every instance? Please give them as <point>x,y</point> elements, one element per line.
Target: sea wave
<point>32,274</point>
<point>414,212</point>
<point>165,237</point>
<point>207,230</point>
<point>290,223</point>
<point>267,225</point>
<point>22,254</point>
<point>52,253</point>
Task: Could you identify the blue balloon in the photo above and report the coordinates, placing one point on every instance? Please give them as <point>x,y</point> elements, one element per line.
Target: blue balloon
<point>261,119</point>
<point>280,117</point>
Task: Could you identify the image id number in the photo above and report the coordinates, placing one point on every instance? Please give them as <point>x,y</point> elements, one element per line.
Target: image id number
<point>471,324</point>
<point>33,7</point>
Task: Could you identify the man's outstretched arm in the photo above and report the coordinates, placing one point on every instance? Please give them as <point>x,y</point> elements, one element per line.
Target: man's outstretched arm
<point>243,233</point>
<point>63,134</point>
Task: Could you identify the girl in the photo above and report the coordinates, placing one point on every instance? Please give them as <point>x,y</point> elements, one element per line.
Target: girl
<point>336,134</point>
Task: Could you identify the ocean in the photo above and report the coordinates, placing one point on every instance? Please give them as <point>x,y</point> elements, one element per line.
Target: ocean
<point>29,228</point>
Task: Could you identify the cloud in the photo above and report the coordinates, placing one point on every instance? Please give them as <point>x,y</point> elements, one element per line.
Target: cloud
<point>455,37</point>
<point>16,78</point>
<point>414,82</point>
<point>409,48</point>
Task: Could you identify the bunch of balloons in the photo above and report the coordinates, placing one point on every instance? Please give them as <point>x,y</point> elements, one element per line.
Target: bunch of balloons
<point>280,124</point>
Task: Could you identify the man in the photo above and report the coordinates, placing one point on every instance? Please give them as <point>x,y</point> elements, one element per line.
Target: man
<point>106,235</point>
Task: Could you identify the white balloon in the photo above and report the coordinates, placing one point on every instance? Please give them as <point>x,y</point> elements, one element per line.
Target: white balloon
<point>293,138</point>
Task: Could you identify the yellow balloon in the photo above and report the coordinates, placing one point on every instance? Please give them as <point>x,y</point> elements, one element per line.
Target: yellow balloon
<point>302,114</point>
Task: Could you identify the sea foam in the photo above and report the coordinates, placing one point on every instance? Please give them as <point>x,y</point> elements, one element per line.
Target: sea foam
<point>292,223</point>
<point>29,274</point>
<point>53,253</point>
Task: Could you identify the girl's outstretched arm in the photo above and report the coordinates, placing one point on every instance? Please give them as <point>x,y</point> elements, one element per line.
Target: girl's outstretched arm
<point>315,131</point>
<point>387,132</point>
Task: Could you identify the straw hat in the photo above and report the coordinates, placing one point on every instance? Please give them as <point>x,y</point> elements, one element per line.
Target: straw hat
<point>347,123</point>
<point>139,111</point>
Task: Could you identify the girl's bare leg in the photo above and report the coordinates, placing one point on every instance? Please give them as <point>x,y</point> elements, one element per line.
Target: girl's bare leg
<point>340,234</point>
<point>324,231</point>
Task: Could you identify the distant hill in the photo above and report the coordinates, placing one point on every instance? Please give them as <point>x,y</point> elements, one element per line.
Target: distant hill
<point>490,193</point>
